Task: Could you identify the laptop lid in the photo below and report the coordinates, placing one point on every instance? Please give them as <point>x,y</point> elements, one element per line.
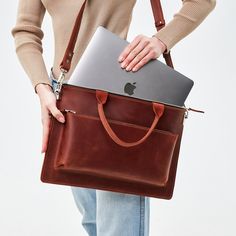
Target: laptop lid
<point>98,68</point>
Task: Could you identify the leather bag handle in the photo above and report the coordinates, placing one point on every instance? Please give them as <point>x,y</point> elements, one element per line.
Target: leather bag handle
<point>159,23</point>
<point>102,98</point>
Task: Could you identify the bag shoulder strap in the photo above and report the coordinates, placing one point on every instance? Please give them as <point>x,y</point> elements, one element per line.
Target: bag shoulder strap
<point>68,55</point>
<point>160,23</point>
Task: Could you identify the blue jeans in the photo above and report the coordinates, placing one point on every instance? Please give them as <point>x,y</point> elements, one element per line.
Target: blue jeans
<point>106,213</point>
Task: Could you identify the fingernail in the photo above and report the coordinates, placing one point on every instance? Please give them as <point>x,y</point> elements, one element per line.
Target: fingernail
<point>120,59</point>
<point>61,119</point>
<point>123,65</point>
<point>127,68</point>
<point>134,69</point>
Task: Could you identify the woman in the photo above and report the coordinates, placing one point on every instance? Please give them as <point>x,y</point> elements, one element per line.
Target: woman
<point>104,213</point>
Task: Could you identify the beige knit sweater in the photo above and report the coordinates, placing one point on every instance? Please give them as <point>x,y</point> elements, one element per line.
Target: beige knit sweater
<point>115,15</point>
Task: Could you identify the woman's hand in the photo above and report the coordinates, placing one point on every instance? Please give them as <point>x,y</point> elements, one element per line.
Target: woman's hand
<point>141,50</point>
<point>48,107</point>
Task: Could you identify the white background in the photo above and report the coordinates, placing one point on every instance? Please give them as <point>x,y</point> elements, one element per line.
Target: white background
<point>204,196</point>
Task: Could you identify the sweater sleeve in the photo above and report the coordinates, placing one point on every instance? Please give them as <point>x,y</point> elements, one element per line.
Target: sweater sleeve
<point>28,37</point>
<point>191,14</point>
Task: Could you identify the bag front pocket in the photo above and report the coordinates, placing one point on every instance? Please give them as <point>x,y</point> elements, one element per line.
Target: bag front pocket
<point>87,148</point>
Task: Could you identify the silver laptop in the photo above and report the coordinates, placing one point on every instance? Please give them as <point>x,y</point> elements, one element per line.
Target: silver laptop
<point>98,68</point>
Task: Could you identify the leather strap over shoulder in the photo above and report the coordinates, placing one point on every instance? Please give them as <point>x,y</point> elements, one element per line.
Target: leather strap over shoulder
<point>158,14</point>
<point>66,61</point>
<point>159,23</point>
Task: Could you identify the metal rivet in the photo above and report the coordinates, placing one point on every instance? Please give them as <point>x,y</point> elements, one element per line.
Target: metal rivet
<point>67,61</point>
<point>70,54</point>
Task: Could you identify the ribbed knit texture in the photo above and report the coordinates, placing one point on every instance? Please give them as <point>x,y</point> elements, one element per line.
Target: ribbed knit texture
<point>115,15</point>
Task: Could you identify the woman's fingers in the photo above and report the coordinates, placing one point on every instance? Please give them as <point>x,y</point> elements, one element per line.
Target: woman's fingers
<point>46,119</point>
<point>140,51</point>
<point>48,100</point>
<point>56,112</point>
<point>48,109</point>
<point>46,125</point>
<point>136,55</point>
<point>135,62</point>
<point>129,48</point>
<point>145,59</point>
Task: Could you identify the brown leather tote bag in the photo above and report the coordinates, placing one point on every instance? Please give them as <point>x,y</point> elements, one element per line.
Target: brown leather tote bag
<point>112,142</point>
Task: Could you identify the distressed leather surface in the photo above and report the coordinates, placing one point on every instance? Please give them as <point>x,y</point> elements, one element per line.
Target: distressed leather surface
<point>81,153</point>
<point>76,149</point>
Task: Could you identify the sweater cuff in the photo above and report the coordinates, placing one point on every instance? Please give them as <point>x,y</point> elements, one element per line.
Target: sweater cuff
<point>164,39</point>
<point>34,66</point>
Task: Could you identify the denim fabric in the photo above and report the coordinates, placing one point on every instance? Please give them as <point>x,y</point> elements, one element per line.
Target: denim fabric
<point>53,80</point>
<point>106,213</point>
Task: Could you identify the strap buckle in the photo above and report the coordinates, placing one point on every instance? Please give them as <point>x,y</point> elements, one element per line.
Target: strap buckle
<point>59,83</point>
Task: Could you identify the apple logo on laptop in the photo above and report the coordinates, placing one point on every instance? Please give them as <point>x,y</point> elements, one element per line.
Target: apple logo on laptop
<point>129,88</point>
